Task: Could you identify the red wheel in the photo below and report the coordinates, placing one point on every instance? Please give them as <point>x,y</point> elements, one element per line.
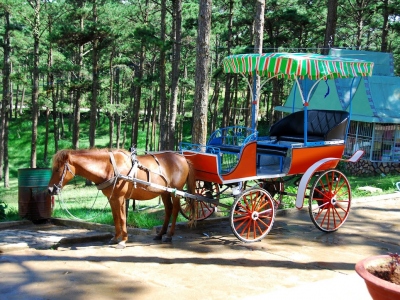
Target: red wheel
<point>330,198</point>
<point>252,215</point>
<point>204,209</point>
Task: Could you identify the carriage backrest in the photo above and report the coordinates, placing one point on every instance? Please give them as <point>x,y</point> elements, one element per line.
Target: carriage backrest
<point>232,136</point>
<point>324,125</point>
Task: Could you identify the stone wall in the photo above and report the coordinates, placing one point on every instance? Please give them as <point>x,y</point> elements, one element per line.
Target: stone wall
<point>369,168</point>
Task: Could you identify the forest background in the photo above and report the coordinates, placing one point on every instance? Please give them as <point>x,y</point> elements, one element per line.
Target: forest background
<point>133,62</point>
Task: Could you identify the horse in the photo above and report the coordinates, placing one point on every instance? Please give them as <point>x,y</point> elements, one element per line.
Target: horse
<point>107,169</point>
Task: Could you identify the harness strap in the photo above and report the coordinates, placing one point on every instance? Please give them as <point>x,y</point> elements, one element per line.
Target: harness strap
<point>112,180</point>
<point>159,170</point>
<point>132,173</point>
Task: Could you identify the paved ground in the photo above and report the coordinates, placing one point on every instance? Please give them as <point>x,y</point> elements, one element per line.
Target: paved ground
<point>53,261</point>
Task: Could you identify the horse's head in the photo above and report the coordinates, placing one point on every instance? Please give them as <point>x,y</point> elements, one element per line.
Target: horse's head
<point>61,173</point>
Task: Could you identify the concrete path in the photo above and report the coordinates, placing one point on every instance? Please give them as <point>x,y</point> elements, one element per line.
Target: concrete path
<point>62,261</point>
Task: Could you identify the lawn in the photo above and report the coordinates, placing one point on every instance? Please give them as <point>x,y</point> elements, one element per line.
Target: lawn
<point>85,202</point>
<point>78,201</point>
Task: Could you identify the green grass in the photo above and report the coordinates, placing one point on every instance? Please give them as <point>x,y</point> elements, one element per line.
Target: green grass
<point>79,198</point>
<point>19,157</point>
<point>86,203</point>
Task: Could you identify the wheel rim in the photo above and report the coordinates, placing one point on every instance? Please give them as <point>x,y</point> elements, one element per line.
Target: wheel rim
<point>204,209</point>
<point>330,199</point>
<point>252,215</point>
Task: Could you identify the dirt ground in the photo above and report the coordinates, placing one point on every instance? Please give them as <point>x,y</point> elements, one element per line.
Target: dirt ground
<point>207,262</point>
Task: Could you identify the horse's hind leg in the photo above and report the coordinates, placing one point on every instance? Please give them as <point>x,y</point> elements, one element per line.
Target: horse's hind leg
<point>175,210</point>
<point>166,198</point>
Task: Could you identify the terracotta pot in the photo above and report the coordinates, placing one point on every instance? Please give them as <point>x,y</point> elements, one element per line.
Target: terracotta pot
<point>379,289</point>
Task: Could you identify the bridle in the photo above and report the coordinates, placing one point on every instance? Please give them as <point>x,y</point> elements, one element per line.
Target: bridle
<point>58,187</point>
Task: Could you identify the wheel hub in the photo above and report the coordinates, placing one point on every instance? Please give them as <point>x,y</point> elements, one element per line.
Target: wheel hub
<point>254,215</point>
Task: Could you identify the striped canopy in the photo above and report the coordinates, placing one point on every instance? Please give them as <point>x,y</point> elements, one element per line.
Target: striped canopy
<point>300,65</point>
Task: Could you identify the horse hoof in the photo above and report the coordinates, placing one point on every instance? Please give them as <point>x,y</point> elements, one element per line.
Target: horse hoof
<point>113,241</point>
<point>157,238</point>
<point>120,246</point>
<point>167,239</point>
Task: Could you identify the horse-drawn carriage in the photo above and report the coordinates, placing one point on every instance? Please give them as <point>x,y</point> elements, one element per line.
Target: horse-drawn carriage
<point>237,162</point>
<point>307,144</point>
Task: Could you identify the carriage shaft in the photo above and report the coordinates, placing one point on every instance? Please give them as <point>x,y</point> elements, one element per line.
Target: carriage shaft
<point>167,189</point>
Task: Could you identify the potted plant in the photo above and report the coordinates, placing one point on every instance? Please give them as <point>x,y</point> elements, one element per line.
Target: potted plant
<point>381,275</point>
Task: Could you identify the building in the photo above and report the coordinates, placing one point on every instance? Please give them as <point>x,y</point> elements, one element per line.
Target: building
<point>374,109</point>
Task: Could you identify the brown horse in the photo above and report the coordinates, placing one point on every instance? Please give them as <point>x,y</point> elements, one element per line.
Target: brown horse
<point>105,168</point>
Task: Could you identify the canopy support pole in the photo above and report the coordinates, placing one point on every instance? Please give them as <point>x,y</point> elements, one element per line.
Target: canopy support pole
<point>254,102</point>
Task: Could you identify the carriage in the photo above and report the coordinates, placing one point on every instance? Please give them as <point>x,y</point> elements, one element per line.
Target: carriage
<point>237,163</point>
<point>306,145</point>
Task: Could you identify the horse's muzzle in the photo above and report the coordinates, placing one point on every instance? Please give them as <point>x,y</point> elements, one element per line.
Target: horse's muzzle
<point>53,190</point>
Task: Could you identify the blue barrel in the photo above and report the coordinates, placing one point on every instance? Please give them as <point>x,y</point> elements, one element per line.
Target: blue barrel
<point>34,202</point>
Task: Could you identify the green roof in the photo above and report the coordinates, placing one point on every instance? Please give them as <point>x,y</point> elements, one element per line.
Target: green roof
<point>375,99</point>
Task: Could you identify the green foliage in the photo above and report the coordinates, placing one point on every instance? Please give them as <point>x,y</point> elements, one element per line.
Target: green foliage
<point>124,29</point>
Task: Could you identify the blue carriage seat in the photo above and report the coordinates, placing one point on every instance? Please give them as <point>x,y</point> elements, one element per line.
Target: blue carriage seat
<point>228,142</point>
<point>232,139</point>
<point>322,125</point>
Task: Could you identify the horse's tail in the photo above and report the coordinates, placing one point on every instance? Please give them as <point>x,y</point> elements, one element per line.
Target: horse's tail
<point>191,185</point>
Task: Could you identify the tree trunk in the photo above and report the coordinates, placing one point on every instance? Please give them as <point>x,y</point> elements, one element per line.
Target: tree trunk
<point>181,112</point>
<point>16,102</point>
<point>138,89</point>
<point>117,115</point>
<point>199,130</point>
<point>385,26</point>
<point>153,145</point>
<point>11,99</point>
<point>55,115</point>
<point>95,82</point>
<point>331,20</point>
<point>227,100</point>
<point>258,47</point>
<point>138,95</point>
<point>111,111</point>
<point>35,4</point>
<point>22,100</point>
<point>276,101</point>
<point>50,90</point>
<point>163,96</point>
<point>77,101</point>
<point>46,137</point>
<point>214,101</point>
<point>4,166</point>
<point>177,11</point>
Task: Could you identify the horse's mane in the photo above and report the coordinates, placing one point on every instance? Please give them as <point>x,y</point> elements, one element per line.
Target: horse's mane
<point>61,156</point>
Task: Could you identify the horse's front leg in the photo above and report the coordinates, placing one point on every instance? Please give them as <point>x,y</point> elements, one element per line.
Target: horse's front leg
<point>166,198</point>
<point>119,216</point>
<point>175,210</point>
